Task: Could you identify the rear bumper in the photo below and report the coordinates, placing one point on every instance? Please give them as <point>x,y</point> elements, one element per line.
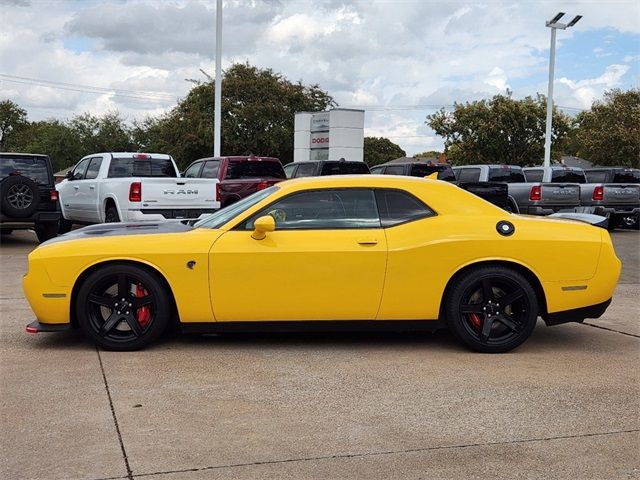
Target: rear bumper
<point>163,214</point>
<point>38,218</point>
<point>548,210</point>
<point>617,210</point>
<point>576,314</point>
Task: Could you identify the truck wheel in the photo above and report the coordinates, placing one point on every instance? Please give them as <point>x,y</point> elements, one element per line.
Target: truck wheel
<point>46,231</point>
<point>19,196</point>
<point>111,215</point>
<point>65,226</point>
<point>492,309</point>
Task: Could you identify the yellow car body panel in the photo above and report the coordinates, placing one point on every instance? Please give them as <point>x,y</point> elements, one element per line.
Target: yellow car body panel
<point>393,273</point>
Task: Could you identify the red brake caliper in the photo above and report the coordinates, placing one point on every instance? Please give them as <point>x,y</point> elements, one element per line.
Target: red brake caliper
<point>475,320</point>
<point>143,313</point>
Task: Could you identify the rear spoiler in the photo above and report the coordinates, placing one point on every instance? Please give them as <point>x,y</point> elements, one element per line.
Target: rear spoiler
<point>595,220</point>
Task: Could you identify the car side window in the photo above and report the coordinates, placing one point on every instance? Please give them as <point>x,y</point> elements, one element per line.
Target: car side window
<point>289,169</point>
<point>305,170</point>
<point>377,170</point>
<point>93,168</point>
<point>469,175</point>
<point>596,176</point>
<point>534,175</point>
<point>193,170</point>
<point>348,208</point>
<point>394,170</point>
<point>210,169</point>
<point>397,206</point>
<point>81,168</point>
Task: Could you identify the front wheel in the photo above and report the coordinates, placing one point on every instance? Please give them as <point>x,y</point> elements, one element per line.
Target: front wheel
<point>122,307</point>
<point>492,309</point>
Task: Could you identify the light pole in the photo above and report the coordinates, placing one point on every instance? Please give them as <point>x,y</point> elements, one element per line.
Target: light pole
<point>553,24</point>
<point>218,84</point>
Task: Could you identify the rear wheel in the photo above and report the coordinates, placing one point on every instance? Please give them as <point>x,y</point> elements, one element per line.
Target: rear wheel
<point>492,309</point>
<point>111,215</point>
<point>46,231</point>
<point>122,307</point>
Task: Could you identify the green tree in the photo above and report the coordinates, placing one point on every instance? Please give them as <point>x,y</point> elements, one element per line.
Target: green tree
<point>53,138</point>
<point>258,108</point>
<point>12,120</point>
<point>428,154</point>
<point>500,130</point>
<point>108,133</point>
<point>379,150</point>
<point>609,134</point>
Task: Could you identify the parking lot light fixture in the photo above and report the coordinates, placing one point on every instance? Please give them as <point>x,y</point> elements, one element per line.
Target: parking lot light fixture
<point>553,24</point>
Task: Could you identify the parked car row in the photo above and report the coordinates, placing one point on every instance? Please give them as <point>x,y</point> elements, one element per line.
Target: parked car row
<point>612,192</point>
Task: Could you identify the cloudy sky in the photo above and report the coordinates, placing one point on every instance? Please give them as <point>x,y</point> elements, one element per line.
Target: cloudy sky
<point>399,60</point>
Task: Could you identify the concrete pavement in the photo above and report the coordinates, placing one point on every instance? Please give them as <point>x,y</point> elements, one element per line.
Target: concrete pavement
<point>564,405</point>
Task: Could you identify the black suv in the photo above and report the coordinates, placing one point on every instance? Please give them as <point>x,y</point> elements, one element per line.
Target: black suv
<point>315,168</point>
<point>28,197</point>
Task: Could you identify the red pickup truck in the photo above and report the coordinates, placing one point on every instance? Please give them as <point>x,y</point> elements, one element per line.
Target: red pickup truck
<point>239,176</point>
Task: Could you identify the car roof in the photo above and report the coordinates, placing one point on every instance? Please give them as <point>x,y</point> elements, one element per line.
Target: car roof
<point>344,181</point>
<point>235,158</point>
<point>9,154</point>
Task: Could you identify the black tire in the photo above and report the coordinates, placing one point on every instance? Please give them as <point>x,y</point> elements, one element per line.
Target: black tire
<point>65,226</point>
<point>19,196</point>
<point>115,324</point>
<point>111,215</point>
<point>630,222</point>
<point>492,309</point>
<point>46,231</point>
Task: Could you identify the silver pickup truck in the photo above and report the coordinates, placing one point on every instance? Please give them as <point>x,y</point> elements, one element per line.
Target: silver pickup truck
<point>550,194</point>
<point>601,194</point>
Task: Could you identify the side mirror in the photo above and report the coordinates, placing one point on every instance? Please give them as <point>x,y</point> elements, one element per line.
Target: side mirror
<point>263,225</point>
<point>69,175</point>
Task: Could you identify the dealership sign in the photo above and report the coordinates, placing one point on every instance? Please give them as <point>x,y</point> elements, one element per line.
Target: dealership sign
<point>320,122</point>
<point>319,140</point>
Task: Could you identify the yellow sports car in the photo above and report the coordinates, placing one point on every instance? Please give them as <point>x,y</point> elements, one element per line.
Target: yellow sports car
<point>344,252</point>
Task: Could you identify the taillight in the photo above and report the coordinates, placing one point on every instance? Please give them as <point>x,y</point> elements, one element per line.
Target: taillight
<point>536,193</point>
<point>218,194</point>
<point>598,193</point>
<point>135,192</point>
<point>262,186</point>
<point>53,195</point>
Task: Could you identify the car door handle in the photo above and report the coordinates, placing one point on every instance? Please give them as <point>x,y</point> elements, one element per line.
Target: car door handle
<point>92,187</point>
<point>368,241</point>
<point>76,187</point>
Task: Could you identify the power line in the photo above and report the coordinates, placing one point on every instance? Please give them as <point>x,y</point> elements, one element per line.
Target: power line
<point>133,94</point>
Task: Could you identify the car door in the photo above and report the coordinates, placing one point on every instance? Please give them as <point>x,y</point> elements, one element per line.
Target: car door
<point>290,170</point>
<point>69,189</point>
<point>88,202</point>
<point>325,261</point>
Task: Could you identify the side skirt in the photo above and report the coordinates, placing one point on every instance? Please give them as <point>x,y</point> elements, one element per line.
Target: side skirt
<point>315,326</point>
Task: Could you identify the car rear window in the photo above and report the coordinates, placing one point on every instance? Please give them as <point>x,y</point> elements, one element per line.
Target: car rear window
<point>569,176</point>
<point>254,169</point>
<point>599,176</point>
<point>626,176</point>
<point>445,172</point>
<point>506,174</point>
<point>141,167</point>
<point>34,168</point>
<point>344,168</point>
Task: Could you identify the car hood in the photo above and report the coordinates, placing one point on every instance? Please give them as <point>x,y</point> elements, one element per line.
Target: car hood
<point>121,229</point>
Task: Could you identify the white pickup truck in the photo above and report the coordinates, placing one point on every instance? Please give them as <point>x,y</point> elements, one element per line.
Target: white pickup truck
<point>132,187</point>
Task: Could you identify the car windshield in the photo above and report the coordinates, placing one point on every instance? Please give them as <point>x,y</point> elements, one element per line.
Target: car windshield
<point>626,176</point>
<point>34,168</point>
<point>254,169</point>
<point>222,216</point>
<point>141,167</point>
<point>569,176</point>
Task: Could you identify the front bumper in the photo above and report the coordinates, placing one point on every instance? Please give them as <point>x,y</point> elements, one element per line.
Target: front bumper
<point>576,314</point>
<point>37,327</point>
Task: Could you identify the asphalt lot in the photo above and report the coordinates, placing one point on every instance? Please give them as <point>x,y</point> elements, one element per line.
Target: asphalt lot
<point>564,405</point>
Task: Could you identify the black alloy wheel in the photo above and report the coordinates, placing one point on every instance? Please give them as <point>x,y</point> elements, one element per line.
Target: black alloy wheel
<point>492,309</point>
<point>122,307</point>
<point>111,215</point>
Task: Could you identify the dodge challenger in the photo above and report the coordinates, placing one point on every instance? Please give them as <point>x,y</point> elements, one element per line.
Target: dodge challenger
<point>327,253</point>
